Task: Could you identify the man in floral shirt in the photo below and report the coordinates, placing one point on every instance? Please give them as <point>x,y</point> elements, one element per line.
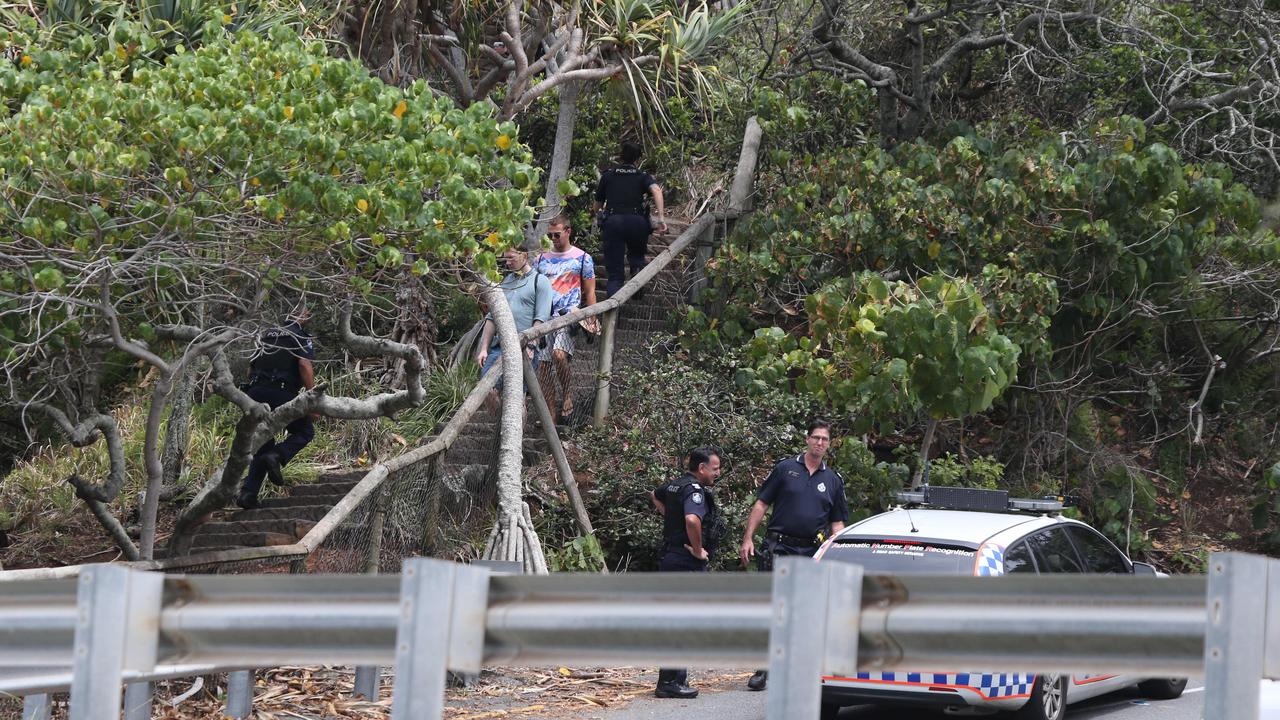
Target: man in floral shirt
<point>573,280</point>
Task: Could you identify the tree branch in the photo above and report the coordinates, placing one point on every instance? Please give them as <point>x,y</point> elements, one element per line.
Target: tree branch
<point>84,435</point>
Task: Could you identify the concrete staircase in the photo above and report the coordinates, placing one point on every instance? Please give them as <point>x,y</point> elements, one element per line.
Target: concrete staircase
<point>280,520</point>
<point>465,469</point>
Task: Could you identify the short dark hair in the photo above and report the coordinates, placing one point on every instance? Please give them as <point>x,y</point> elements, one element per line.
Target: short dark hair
<point>629,153</point>
<point>700,455</point>
<point>818,423</point>
<point>561,219</point>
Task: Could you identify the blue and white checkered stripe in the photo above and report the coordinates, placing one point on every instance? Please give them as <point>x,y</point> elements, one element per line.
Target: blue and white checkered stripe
<point>993,686</point>
<point>989,561</point>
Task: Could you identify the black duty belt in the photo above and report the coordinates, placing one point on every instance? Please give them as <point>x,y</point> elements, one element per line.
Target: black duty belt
<point>277,384</point>
<point>792,540</point>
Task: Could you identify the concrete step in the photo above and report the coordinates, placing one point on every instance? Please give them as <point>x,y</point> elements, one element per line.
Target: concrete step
<point>217,542</point>
<point>290,501</point>
<point>322,488</point>
<point>287,526</point>
<point>294,512</point>
<point>352,475</point>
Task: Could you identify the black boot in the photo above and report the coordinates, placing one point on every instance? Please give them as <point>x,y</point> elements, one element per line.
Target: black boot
<point>758,680</point>
<point>271,462</point>
<point>675,690</point>
<point>247,501</point>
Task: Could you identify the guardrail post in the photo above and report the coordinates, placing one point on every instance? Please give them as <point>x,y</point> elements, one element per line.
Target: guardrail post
<point>1271,660</point>
<point>36,707</point>
<point>813,628</point>
<point>367,677</point>
<point>442,617</point>
<point>605,368</point>
<point>137,701</point>
<point>1233,648</point>
<point>240,694</point>
<point>117,629</point>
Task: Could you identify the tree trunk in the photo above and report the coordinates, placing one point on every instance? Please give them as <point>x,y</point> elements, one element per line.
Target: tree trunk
<point>178,430</point>
<point>151,460</point>
<point>561,155</point>
<point>415,325</point>
<point>925,444</point>
<point>513,537</point>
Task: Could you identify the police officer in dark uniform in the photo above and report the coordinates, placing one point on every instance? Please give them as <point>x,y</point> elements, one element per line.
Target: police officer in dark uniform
<point>691,529</point>
<point>808,507</point>
<point>281,367</point>
<point>625,226</point>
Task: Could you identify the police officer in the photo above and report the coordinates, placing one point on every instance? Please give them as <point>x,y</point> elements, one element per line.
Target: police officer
<point>281,367</point>
<point>691,530</point>
<point>808,507</point>
<point>625,227</point>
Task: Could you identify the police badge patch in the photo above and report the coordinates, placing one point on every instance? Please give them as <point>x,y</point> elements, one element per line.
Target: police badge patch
<point>822,487</point>
<point>696,498</point>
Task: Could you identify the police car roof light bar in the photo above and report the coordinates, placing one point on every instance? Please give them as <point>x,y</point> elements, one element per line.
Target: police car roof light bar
<point>958,498</point>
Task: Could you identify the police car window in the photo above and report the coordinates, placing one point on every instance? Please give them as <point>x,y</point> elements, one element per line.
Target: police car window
<point>1054,552</point>
<point>1018,560</point>
<point>1100,556</point>
<point>893,557</point>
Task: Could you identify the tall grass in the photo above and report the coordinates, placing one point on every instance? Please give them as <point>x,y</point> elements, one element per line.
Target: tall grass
<point>45,520</point>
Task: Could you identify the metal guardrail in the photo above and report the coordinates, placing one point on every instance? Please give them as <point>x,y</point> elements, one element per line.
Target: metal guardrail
<point>117,624</point>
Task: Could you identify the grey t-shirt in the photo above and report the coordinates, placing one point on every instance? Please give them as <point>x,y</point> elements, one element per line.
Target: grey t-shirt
<point>529,296</point>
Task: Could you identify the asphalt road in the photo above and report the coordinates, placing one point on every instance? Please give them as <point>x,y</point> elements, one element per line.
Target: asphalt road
<point>736,703</point>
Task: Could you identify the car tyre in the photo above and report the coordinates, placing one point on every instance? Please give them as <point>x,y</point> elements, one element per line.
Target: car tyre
<point>1048,699</point>
<point>1163,688</point>
<point>830,711</point>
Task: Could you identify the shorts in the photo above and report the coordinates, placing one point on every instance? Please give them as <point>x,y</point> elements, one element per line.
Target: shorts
<point>495,353</point>
<point>561,339</point>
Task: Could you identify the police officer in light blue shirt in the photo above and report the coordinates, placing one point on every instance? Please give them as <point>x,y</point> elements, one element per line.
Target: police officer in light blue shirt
<point>808,507</point>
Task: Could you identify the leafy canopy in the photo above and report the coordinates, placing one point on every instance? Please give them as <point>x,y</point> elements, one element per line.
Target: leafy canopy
<point>248,162</point>
<point>877,349</point>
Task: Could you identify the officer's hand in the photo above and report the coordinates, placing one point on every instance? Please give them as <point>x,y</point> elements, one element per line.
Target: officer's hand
<point>315,417</point>
<point>747,552</point>
<point>662,229</point>
<point>701,553</point>
<point>480,356</point>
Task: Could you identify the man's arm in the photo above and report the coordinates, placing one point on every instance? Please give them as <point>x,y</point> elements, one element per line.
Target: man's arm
<point>307,372</point>
<point>693,528</point>
<point>661,506</point>
<point>748,538</point>
<point>486,337</point>
<point>588,291</point>
<point>542,296</point>
<point>836,527</point>
<point>656,190</point>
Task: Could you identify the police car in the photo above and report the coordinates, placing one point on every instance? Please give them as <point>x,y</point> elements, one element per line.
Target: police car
<point>963,531</point>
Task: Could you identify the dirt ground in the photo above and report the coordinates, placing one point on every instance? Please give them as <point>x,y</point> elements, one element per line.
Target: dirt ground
<point>321,693</point>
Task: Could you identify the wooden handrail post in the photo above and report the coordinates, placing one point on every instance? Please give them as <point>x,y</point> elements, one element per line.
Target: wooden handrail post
<point>557,449</point>
<point>605,369</point>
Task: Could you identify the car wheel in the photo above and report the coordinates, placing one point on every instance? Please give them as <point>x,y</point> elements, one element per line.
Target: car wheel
<point>1048,699</point>
<point>1163,688</point>
<point>830,711</point>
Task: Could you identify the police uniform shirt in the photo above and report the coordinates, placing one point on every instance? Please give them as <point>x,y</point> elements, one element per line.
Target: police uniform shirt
<point>803,504</point>
<point>622,189</point>
<point>684,496</point>
<point>278,359</point>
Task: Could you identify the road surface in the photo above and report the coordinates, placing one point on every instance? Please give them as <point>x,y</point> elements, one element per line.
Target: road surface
<point>729,700</point>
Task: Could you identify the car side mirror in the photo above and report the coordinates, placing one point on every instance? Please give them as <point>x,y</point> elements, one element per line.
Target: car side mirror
<point>1141,568</point>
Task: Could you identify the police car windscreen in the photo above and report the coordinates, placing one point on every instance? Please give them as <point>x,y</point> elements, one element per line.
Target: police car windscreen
<point>892,557</point>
